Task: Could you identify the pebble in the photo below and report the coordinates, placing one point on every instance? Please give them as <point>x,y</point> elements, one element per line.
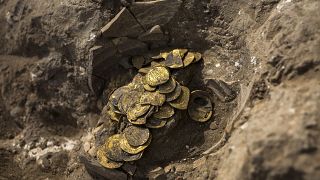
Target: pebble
<point>157,173</point>
<point>86,146</point>
<point>213,126</point>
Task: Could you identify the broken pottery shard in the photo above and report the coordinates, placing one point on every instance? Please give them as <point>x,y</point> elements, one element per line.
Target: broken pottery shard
<point>96,84</point>
<point>155,12</point>
<point>221,89</point>
<point>101,58</point>
<point>94,168</point>
<point>131,47</point>
<point>123,24</point>
<point>155,34</point>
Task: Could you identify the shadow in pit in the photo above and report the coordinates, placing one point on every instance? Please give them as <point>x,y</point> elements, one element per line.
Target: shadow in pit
<point>59,121</point>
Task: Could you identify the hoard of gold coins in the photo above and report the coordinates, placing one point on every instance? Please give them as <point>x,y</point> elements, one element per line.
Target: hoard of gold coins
<point>152,100</point>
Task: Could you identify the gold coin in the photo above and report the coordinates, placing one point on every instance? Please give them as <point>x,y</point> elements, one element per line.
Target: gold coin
<point>157,75</point>
<point>147,87</point>
<point>173,61</point>
<point>104,161</point>
<point>136,136</point>
<point>200,106</point>
<point>128,100</point>
<point>136,111</point>
<point>114,152</point>
<point>182,101</point>
<point>162,55</point>
<point>197,57</point>
<point>143,119</point>
<point>125,146</point>
<point>112,148</point>
<point>167,87</point>
<point>174,94</point>
<point>132,157</point>
<point>139,121</point>
<point>157,64</point>
<point>164,112</point>
<point>116,95</point>
<point>138,61</point>
<point>188,59</point>
<point>110,111</point>
<point>153,98</point>
<point>179,52</point>
<point>155,123</point>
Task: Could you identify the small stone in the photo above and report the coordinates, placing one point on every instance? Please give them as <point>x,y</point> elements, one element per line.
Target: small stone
<point>93,151</point>
<point>16,111</point>
<point>157,173</point>
<point>169,168</point>
<point>122,25</point>
<point>213,126</point>
<point>155,12</point>
<point>86,146</point>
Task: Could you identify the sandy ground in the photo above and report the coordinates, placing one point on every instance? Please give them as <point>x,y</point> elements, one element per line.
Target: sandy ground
<point>269,50</point>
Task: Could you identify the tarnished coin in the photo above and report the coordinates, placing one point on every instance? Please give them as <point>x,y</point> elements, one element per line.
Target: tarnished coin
<point>146,86</point>
<point>110,111</point>
<point>104,161</point>
<point>136,111</point>
<point>167,87</point>
<point>138,61</point>
<point>116,95</point>
<point>114,151</point>
<point>164,112</point>
<point>157,75</point>
<point>132,157</point>
<point>139,121</point>
<point>153,98</point>
<point>179,52</point>
<point>174,94</point>
<point>128,100</point>
<point>112,148</point>
<point>155,123</point>
<point>188,59</point>
<point>197,57</point>
<point>182,101</point>
<point>170,125</point>
<point>173,61</point>
<point>143,119</point>
<point>136,136</point>
<point>137,82</point>
<point>200,106</point>
<point>125,146</point>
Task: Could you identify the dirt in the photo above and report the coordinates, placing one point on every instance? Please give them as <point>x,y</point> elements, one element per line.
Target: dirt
<point>267,50</point>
